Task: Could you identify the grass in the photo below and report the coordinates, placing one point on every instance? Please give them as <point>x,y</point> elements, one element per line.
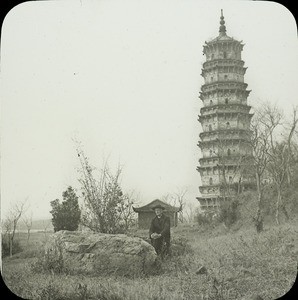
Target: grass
<point>237,263</point>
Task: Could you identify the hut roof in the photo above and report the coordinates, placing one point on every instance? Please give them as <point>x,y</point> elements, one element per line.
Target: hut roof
<point>149,206</point>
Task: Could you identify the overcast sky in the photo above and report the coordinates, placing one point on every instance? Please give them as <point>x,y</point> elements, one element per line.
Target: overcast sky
<point>123,77</point>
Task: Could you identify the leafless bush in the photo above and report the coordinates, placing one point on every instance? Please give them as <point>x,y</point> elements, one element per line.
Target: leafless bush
<point>106,208</point>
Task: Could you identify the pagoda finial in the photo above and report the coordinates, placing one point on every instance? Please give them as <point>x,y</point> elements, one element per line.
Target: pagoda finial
<point>222,28</point>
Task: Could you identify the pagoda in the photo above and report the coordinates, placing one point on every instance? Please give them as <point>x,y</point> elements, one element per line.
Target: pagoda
<point>225,119</point>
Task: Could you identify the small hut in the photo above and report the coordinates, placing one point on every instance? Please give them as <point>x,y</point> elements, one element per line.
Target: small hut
<point>146,213</point>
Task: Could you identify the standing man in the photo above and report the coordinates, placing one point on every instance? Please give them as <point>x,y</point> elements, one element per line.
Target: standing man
<point>159,232</point>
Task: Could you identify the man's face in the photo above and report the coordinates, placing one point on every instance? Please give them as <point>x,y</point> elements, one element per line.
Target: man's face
<point>158,211</point>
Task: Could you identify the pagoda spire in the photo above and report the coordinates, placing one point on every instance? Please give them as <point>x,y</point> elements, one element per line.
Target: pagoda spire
<point>222,28</point>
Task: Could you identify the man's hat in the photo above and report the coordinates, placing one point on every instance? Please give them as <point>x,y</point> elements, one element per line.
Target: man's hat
<point>158,206</point>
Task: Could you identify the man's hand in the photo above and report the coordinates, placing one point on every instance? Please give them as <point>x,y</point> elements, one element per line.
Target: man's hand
<point>155,235</point>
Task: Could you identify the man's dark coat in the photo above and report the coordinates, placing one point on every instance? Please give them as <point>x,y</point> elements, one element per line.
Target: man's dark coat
<point>161,225</point>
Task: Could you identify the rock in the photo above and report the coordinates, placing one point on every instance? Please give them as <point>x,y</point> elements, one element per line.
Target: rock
<point>201,270</point>
<point>252,297</point>
<point>248,272</point>
<point>286,248</point>
<point>102,253</point>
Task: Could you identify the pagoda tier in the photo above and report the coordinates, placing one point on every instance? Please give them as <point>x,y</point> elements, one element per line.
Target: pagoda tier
<point>225,123</point>
<point>224,92</point>
<point>227,150</point>
<point>218,113</point>
<point>217,169</point>
<point>224,47</point>
<point>225,133</point>
<point>223,142</point>
<point>224,159</point>
<point>224,86</point>
<point>211,64</point>
<point>213,190</point>
<point>223,70</point>
<point>211,202</point>
<point>227,107</point>
<point>207,169</point>
<point>232,129</point>
<point>218,189</point>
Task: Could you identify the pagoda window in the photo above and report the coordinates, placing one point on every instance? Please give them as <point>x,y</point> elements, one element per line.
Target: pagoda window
<point>226,77</point>
<point>211,78</point>
<point>230,179</point>
<point>226,101</point>
<point>228,124</point>
<point>212,56</point>
<point>211,102</point>
<point>225,55</point>
<point>210,127</point>
<point>210,181</point>
<point>210,152</point>
<point>229,152</point>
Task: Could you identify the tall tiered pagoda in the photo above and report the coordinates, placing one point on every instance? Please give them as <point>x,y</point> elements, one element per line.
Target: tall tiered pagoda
<point>225,119</point>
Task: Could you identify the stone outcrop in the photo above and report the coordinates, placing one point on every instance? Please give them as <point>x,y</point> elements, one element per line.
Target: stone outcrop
<point>98,253</point>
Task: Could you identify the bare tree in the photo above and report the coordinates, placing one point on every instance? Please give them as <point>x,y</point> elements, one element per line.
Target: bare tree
<point>280,157</point>
<point>7,228</point>
<point>13,218</point>
<point>45,226</point>
<point>189,213</point>
<point>167,198</point>
<point>27,220</point>
<point>229,165</point>
<point>7,225</point>
<point>106,208</point>
<point>260,144</point>
<point>126,210</point>
<point>177,199</point>
<point>291,158</point>
<point>232,169</point>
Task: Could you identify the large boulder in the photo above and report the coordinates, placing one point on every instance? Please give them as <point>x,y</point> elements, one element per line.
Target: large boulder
<point>101,253</point>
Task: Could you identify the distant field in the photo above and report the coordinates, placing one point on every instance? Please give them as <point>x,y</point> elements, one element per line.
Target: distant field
<point>37,225</point>
<point>238,263</point>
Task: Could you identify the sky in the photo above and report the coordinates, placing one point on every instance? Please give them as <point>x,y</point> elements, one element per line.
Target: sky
<point>123,78</point>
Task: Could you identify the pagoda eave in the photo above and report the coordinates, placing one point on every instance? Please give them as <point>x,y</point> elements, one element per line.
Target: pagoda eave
<point>227,112</point>
<point>224,85</point>
<point>220,62</point>
<point>231,130</point>
<point>225,107</point>
<point>206,145</point>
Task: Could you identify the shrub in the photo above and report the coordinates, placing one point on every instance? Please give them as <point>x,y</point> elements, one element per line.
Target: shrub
<point>107,208</point>
<point>229,212</point>
<point>50,291</point>
<point>16,248</point>
<point>50,260</point>
<point>203,219</point>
